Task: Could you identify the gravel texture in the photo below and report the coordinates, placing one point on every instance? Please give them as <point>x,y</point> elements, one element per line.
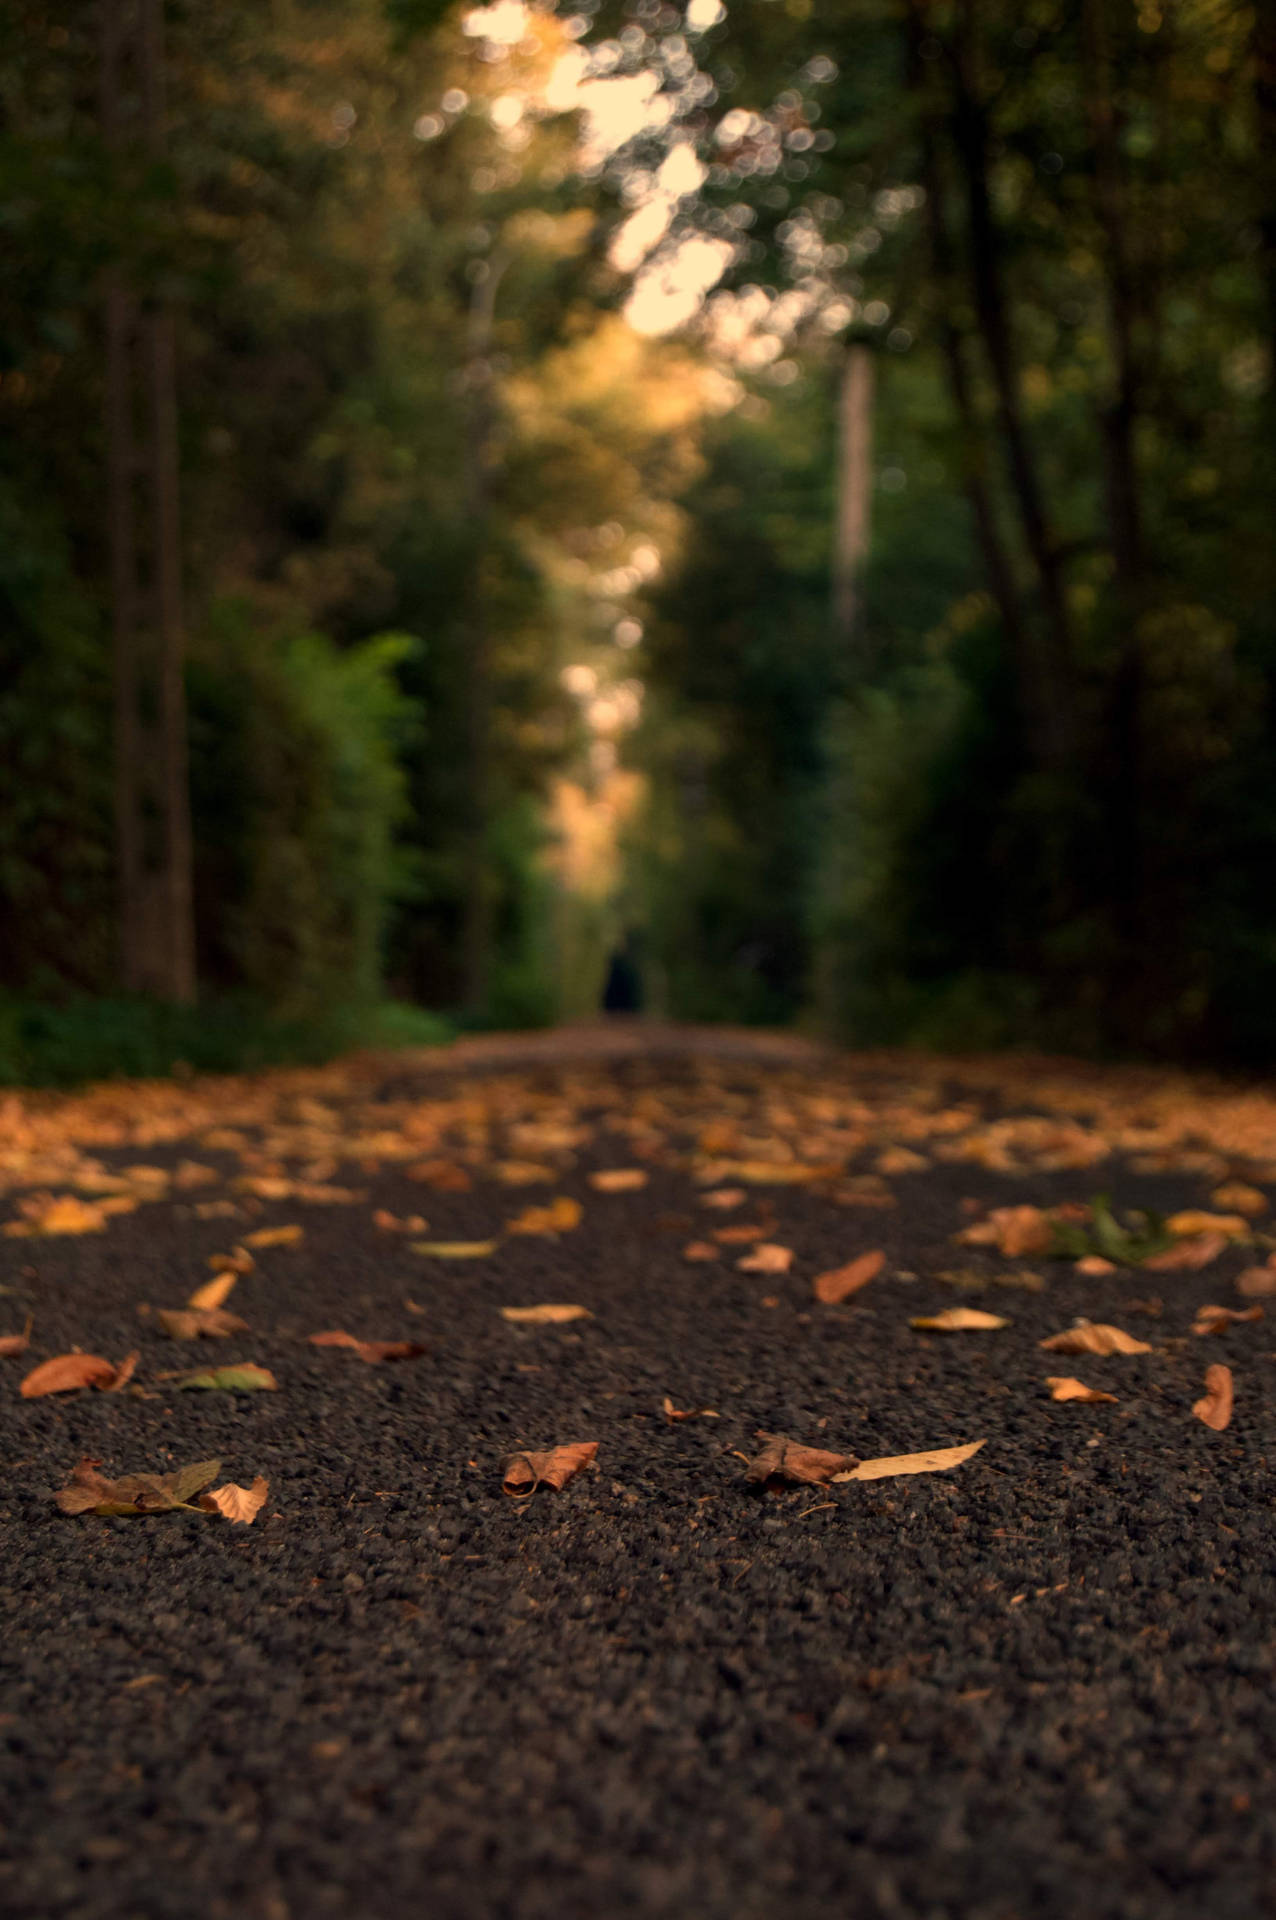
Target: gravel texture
<point>1039,1685</point>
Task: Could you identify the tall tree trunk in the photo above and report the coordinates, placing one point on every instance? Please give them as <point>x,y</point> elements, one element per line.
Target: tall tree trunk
<point>854,486</point>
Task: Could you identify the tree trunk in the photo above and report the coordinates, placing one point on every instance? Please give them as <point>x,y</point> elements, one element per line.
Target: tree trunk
<point>854,486</point>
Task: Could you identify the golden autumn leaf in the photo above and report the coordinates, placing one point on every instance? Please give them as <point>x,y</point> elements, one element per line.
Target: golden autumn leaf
<point>1235,1196</point>
<point>214,1293</point>
<point>767,1258</point>
<point>896,1160</point>
<point>1064,1387</point>
<point>780,1458</point>
<point>1014,1231</point>
<point>241,1504</point>
<point>1193,1221</point>
<point>839,1283</point>
<point>896,1465</point>
<point>1089,1336</point>
<point>68,1371</point>
<point>47,1215</point>
<point>1093,1265</point>
<point>399,1223</point>
<point>275,1237</point>
<point>454,1249</point>
<point>553,1467</point>
<point>959,1320</point>
<point>618,1179</point>
<point>559,1216</point>
<point>1214,1407</point>
<point>724,1197</point>
<point>551,1314</point>
<point>523,1173</point>
<point>237,1261</point>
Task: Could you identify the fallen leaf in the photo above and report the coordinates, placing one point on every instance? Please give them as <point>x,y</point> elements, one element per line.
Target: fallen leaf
<point>782,1459</point>
<point>1014,1231</point>
<point>767,1258</point>
<point>454,1249</point>
<point>724,1197</point>
<point>560,1216</point>
<point>373,1351</point>
<point>1193,1221</point>
<point>740,1236</point>
<point>618,1179</point>
<point>1237,1197</point>
<point>443,1175</point>
<point>679,1413</point>
<point>1153,1306</point>
<point>891,1466</point>
<point>67,1371</point>
<point>553,1314</point>
<point>88,1491</point>
<point>959,1320</point>
<point>14,1343</point>
<point>190,1323</point>
<point>1214,1319</point>
<point>246,1378</point>
<point>213,1293</point>
<point>1063,1387</point>
<point>705,1250</point>
<point>523,1173</point>
<point>394,1223</point>
<point>1256,1282</point>
<point>241,1504</point>
<point>1197,1251</point>
<point>900,1160</point>
<point>1215,1405</point>
<point>274,1237</point>
<point>1089,1336</point>
<point>1094,1264</point>
<point>46,1215</point>
<point>237,1261</point>
<point>841,1282</point>
<point>524,1472</point>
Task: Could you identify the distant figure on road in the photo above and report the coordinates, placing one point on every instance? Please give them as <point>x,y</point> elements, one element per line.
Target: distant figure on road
<point>623,991</point>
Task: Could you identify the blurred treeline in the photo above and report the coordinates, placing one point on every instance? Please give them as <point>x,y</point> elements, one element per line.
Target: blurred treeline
<point>1017,787</point>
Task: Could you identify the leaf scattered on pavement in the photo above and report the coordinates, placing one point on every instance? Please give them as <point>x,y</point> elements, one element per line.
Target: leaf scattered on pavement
<point>1089,1336</point>
<point>1063,1387</point>
<point>559,1216</point>
<point>1196,1251</point>
<point>45,1215</point>
<point>277,1237</point>
<point>213,1293</point>
<point>839,1283</point>
<point>959,1320</point>
<point>1093,1265</point>
<point>373,1351</point>
<point>893,1466</point>
<point>705,1250</point>
<point>454,1249</point>
<point>724,1197</point>
<point>1214,1319</point>
<point>682,1413</point>
<point>67,1371</point>
<point>238,1260</point>
<point>1215,1405</point>
<point>780,1458</point>
<point>192,1323</point>
<point>554,1467</point>
<point>1258,1282</point>
<point>1014,1231</point>
<point>551,1314</point>
<point>1192,1221</point>
<point>618,1179</point>
<point>89,1491</point>
<point>245,1378</point>
<point>1235,1196</point>
<point>15,1343</point>
<point>398,1223</point>
<point>767,1258</point>
<point>241,1504</point>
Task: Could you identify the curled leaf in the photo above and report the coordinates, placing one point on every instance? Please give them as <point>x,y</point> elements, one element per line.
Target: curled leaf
<point>15,1343</point>
<point>89,1491</point>
<point>372,1351</point>
<point>1012,1230</point>
<point>190,1323</point>
<point>552,1314</point>
<point>841,1282</point>
<point>241,1504</point>
<point>679,1413</point>
<point>1215,1405</point>
<point>554,1467</point>
<point>1064,1387</point>
<point>213,1293</point>
<point>780,1458</point>
<point>1214,1319</point>
<point>959,1320</point>
<point>1089,1336</point>
<point>894,1466</point>
<point>67,1371</point>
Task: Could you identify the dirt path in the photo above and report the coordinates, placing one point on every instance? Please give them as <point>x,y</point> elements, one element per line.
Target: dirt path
<point>1033,1685</point>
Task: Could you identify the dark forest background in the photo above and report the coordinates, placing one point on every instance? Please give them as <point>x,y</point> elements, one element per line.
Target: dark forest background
<point>398,616</point>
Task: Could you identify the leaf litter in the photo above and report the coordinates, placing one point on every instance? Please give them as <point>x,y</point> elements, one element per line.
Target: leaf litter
<point>374,1352</point>
<point>68,1371</point>
<point>554,1467</point>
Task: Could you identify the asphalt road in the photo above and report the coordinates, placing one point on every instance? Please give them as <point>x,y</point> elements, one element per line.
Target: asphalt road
<point>1038,1685</point>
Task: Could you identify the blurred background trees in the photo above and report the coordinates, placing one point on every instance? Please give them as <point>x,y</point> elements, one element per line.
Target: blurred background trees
<point>786,489</point>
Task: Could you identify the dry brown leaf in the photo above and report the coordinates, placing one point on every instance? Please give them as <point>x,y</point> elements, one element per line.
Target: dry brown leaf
<point>1063,1387</point>
<point>14,1343</point>
<point>241,1504</point>
<point>841,1282</point>
<point>705,1250</point>
<point>523,1173</point>
<point>1215,1405</point>
<point>275,1237</point>
<point>1014,1231</point>
<point>443,1175</point>
<point>554,1467</point>
<point>1193,1221</point>
<point>960,1320</point>
<point>44,1215</point>
<point>780,1458</point>
<point>192,1323</point>
<point>896,1160</point>
<point>1094,1265</point>
<point>618,1179</point>
<point>680,1413</point>
<point>372,1351</point>
<point>89,1491</point>
<point>892,1466</point>
<point>1152,1305</point>
<point>1089,1336</point>
<point>67,1371</point>
<point>213,1293</point>
<point>560,1216</point>
<point>553,1314</point>
<point>724,1197</point>
<point>767,1258</point>
<point>1235,1196</point>
<point>399,1223</point>
<point>1214,1319</point>
<point>740,1236</point>
<point>237,1261</point>
<point>1196,1251</point>
<point>1256,1282</point>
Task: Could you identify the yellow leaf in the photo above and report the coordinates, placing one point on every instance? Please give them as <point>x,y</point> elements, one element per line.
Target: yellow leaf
<point>213,1293</point>
<point>893,1465</point>
<point>618,1179</point>
<point>454,1249</point>
<point>274,1237</point>
<point>960,1320</point>
<point>1064,1387</point>
<point>237,1503</point>
<point>551,1315</point>
<point>1194,1220</point>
